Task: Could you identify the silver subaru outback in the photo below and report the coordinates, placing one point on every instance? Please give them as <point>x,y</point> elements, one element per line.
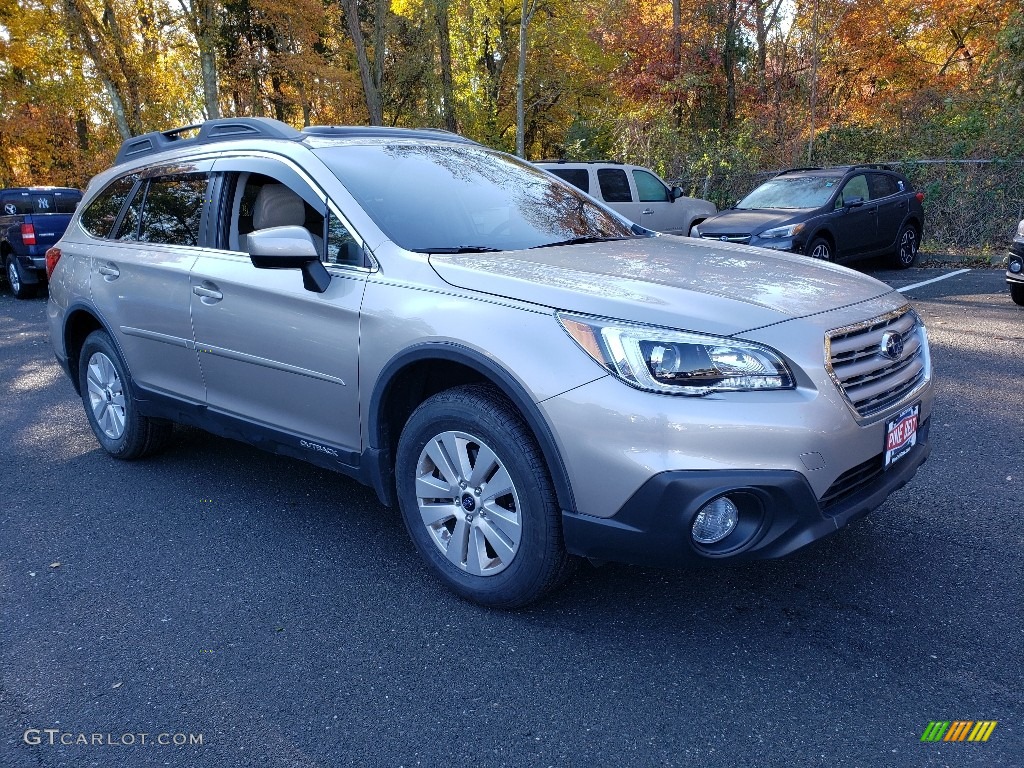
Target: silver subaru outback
<point>531,378</point>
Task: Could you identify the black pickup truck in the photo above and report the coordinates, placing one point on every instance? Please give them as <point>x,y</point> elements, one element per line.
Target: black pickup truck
<point>32,220</point>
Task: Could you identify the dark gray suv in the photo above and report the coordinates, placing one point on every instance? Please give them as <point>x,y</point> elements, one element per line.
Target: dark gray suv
<point>530,377</point>
<point>833,214</point>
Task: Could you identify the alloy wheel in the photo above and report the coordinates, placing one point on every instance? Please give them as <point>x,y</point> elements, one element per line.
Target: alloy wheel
<point>106,395</point>
<point>468,503</point>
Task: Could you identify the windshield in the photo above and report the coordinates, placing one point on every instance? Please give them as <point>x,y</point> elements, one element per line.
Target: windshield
<point>791,192</point>
<point>449,198</point>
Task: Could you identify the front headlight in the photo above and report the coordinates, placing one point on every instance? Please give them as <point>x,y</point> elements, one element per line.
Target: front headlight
<point>787,231</point>
<point>1020,230</point>
<point>695,231</point>
<point>675,362</point>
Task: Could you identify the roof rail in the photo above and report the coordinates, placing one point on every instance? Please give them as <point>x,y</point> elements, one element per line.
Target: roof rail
<point>579,162</point>
<point>206,133</point>
<point>795,170</point>
<point>378,131</point>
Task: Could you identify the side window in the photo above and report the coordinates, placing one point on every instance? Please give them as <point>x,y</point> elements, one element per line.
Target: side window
<point>855,187</point>
<point>614,185</point>
<point>262,202</point>
<point>342,247</point>
<point>649,188</point>
<point>578,177</point>
<point>881,185</point>
<point>173,209</point>
<point>99,217</point>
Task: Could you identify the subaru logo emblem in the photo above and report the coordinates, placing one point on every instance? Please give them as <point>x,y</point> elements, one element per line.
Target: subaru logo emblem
<point>725,238</point>
<point>891,346</point>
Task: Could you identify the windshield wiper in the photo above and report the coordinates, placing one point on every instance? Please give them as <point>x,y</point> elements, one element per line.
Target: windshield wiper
<point>460,249</point>
<point>579,241</point>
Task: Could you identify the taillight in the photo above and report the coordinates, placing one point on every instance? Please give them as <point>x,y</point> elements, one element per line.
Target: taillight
<point>28,234</point>
<point>920,197</point>
<point>52,257</point>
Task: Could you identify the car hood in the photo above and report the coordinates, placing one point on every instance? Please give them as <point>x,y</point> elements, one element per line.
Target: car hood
<point>736,221</point>
<point>677,282</point>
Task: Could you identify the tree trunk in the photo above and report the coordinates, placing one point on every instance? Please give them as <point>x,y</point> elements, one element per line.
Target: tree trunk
<point>80,25</point>
<point>205,31</point>
<point>366,76</point>
<point>444,45</point>
<point>529,7</point>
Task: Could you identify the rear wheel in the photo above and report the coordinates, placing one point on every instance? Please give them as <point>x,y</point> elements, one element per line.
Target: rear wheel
<point>477,499</point>
<point>1017,294</point>
<point>820,248</point>
<point>906,248</point>
<point>106,393</point>
<point>16,277</point>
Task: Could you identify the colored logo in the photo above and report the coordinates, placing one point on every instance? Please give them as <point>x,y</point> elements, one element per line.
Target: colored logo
<point>959,730</point>
<point>891,346</point>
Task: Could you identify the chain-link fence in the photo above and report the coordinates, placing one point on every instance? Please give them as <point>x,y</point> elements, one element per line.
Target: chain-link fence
<point>970,206</point>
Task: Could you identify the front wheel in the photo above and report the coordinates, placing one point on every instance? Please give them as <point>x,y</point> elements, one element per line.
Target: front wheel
<point>106,393</point>
<point>906,248</point>
<point>477,499</point>
<point>16,278</point>
<point>1017,294</point>
<point>820,248</point>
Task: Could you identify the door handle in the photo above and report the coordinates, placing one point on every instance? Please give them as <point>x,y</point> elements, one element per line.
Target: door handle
<point>109,272</point>
<point>207,293</point>
<point>646,211</point>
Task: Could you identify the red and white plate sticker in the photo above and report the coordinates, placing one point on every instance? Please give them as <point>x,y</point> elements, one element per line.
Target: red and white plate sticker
<point>901,434</point>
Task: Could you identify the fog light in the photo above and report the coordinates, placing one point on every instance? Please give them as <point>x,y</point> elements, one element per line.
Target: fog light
<point>1015,266</point>
<point>715,521</point>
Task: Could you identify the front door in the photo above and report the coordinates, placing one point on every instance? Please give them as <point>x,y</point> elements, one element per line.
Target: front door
<point>856,225</point>
<point>271,351</point>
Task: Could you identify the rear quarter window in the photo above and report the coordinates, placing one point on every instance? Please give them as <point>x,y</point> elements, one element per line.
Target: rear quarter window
<point>99,217</point>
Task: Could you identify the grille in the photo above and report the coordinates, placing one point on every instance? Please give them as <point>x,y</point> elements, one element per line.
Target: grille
<point>743,239</point>
<point>851,481</point>
<point>871,381</point>
<point>863,477</point>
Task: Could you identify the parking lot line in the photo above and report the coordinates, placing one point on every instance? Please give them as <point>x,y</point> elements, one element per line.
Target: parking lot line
<point>933,280</point>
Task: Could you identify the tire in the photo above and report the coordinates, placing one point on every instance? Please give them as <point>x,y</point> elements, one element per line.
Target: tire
<point>112,413</point>
<point>1017,294</point>
<point>820,248</point>
<point>16,279</point>
<point>906,248</point>
<point>501,551</point>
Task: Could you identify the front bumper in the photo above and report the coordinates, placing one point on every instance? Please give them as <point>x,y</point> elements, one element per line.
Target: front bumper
<point>779,513</point>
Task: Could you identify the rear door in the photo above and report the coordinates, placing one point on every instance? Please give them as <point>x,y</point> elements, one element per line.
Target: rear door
<point>893,208</point>
<point>615,189</point>
<point>271,351</point>
<point>139,272</point>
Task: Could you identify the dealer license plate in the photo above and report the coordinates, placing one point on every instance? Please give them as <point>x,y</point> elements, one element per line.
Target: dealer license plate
<point>901,434</point>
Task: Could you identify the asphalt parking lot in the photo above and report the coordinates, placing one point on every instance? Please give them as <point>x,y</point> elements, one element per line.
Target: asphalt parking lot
<point>278,614</point>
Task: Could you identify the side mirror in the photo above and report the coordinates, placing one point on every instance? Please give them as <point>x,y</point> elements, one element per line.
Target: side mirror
<point>289,248</point>
<point>675,193</point>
